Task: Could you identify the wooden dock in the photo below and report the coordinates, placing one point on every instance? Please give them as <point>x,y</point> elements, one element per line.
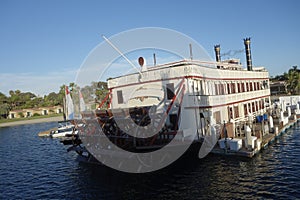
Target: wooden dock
<point>46,133</point>
<point>265,142</point>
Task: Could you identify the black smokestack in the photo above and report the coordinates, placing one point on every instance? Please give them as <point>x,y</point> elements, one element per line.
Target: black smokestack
<point>217,51</point>
<point>248,54</point>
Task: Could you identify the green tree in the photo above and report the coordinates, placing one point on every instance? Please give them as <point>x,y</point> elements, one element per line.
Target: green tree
<point>101,90</point>
<point>25,98</point>
<point>4,110</point>
<point>14,99</point>
<point>53,99</point>
<point>4,106</point>
<point>293,80</point>
<point>3,98</point>
<point>19,100</point>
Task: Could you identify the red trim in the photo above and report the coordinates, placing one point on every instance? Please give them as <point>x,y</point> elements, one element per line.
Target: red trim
<point>67,90</point>
<point>200,77</point>
<point>110,99</point>
<point>169,108</point>
<point>157,80</point>
<point>227,104</point>
<point>104,100</point>
<point>179,111</point>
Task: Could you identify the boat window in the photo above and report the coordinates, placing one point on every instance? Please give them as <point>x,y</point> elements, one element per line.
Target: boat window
<point>208,92</point>
<point>201,88</point>
<point>228,88</point>
<point>120,97</point>
<point>212,89</point>
<point>217,117</point>
<point>265,84</point>
<point>259,104</point>
<point>170,91</point>
<point>230,115</point>
<point>173,120</point>
<point>233,87</point>
<point>245,110</point>
<point>223,87</point>
<point>196,88</point>
<point>191,85</point>
<point>65,130</point>
<point>216,89</point>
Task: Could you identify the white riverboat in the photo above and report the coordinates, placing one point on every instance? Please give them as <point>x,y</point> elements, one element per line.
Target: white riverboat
<point>187,100</point>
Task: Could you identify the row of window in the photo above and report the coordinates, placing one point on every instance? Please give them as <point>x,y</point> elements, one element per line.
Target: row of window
<point>254,106</point>
<point>248,108</point>
<point>201,87</point>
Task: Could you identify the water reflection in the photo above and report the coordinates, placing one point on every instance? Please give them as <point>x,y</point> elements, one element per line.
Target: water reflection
<point>33,167</point>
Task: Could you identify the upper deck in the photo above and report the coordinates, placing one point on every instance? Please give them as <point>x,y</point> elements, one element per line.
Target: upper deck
<point>211,85</point>
<point>189,69</point>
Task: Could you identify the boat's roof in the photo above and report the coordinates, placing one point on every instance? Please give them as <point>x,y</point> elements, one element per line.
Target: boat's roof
<point>228,69</point>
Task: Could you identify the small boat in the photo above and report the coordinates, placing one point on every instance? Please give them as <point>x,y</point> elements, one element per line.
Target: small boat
<point>65,129</point>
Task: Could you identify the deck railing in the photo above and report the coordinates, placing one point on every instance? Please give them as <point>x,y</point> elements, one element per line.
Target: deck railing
<point>207,101</point>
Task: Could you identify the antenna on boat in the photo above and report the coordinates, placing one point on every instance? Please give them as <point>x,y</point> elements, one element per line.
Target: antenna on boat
<point>191,52</point>
<point>154,59</point>
<point>115,48</point>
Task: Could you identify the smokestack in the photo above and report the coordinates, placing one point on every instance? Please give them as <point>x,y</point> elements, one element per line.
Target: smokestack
<point>248,54</point>
<point>218,56</point>
<point>217,51</point>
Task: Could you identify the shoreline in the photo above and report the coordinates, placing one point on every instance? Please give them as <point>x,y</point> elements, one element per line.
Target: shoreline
<point>32,121</point>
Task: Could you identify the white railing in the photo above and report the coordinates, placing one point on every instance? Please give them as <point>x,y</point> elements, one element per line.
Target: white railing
<point>204,101</point>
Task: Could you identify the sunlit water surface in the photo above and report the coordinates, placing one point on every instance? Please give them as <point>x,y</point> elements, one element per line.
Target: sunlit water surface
<point>40,168</point>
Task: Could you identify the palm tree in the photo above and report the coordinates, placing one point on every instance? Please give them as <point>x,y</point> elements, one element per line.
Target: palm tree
<point>293,80</point>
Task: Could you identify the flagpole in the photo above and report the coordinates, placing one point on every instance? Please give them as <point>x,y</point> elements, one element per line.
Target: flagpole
<point>64,109</point>
<point>65,105</point>
<point>115,48</point>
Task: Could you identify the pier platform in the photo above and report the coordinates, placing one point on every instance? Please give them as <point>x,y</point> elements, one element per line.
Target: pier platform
<point>260,144</point>
<point>47,132</point>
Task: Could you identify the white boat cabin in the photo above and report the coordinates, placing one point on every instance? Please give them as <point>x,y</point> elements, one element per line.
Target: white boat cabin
<point>202,94</point>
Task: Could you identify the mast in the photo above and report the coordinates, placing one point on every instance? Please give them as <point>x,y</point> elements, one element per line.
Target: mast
<point>69,105</point>
<point>64,108</point>
<point>81,104</point>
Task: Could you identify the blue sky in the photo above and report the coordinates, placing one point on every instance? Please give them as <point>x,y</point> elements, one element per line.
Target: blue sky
<point>43,43</point>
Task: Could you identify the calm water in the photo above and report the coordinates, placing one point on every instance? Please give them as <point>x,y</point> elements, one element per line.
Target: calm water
<point>40,168</point>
